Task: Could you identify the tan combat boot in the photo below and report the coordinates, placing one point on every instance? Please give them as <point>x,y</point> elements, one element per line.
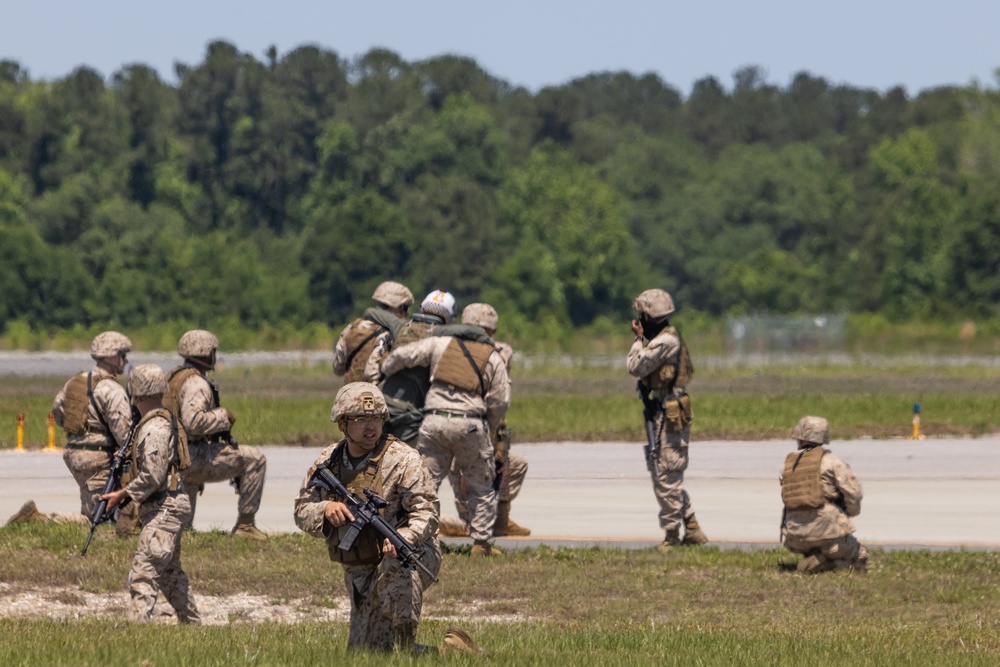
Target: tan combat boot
<point>245,528</point>
<point>28,512</point>
<point>693,533</point>
<point>504,526</point>
<point>458,639</point>
<point>672,539</point>
<point>483,548</point>
<point>451,526</point>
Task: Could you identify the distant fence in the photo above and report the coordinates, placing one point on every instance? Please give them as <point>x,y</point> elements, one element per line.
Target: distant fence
<point>754,334</point>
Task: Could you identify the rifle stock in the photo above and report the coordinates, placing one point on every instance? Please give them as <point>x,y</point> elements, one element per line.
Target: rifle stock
<point>366,514</point>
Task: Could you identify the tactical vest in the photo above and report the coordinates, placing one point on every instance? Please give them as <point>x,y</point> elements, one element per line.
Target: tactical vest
<point>360,341</point>
<point>175,380</point>
<point>801,487</point>
<point>367,549</point>
<point>181,458</point>
<point>462,366</point>
<point>408,387</point>
<point>678,374</point>
<point>79,395</point>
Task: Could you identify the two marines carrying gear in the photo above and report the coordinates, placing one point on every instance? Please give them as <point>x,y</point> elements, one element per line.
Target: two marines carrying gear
<point>664,369</point>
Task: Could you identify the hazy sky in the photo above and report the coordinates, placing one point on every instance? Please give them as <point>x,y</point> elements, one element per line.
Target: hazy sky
<point>871,43</point>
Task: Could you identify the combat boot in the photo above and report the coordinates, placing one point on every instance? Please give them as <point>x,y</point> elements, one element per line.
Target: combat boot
<point>483,548</point>
<point>28,512</point>
<point>693,533</point>
<point>451,526</point>
<point>672,539</point>
<point>814,564</point>
<point>245,528</point>
<point>504,526</point>
<point>458,639</point>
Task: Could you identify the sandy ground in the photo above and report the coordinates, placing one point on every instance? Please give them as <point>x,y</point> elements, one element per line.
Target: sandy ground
<point>940,493</point>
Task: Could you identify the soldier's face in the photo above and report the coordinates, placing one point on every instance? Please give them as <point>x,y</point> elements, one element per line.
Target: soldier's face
<point>363,431</point>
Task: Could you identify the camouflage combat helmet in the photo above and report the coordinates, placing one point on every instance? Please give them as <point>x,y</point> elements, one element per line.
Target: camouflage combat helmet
<point>147,380</point>
<point>440,303</point>
<point>109,344</point>
<point>197,343</point>
<point>654,304</point>
<point>813,430</point>
<point>393,295</point>
<point>359,399</point>
<point>482,314</point>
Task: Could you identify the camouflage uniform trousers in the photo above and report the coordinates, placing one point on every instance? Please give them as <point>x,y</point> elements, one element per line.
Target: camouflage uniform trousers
<point>387,599</point>
<point>833,554</point>
<point>90,470</point>
<point>156,567</point>
<point>219,462</point>
<point>668,479</point>
<point>510,484</point>
<point>466,442</point>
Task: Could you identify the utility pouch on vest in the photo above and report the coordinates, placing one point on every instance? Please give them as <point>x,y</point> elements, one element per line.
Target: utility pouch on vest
<point>367,548</point>
<point>678,413</point>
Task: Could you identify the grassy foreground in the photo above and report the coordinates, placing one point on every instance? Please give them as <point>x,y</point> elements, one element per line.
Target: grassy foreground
<point>693,606</point>
<point>551,403</point>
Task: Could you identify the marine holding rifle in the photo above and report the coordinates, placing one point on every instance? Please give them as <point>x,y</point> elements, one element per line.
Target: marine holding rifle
<point>386,595</point>
<point>664,369</point>
<point>157,453</point>
<point>215,455</point>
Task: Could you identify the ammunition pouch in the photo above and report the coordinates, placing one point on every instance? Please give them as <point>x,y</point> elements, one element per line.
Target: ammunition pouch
<point>677,412</point>
<point>367,549</point>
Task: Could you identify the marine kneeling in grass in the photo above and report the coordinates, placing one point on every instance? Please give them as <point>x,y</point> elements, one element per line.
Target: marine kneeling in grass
<point>386,596</point>
<point>820,494</point>
<point>158,454</point>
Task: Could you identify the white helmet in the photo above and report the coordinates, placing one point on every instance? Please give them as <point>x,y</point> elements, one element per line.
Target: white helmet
<point>440,303</point>
<point>197,343</point>
<point>109,344</point>
<point>147,380</point>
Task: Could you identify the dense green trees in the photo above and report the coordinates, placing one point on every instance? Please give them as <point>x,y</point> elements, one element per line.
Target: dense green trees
<point>281,191</point>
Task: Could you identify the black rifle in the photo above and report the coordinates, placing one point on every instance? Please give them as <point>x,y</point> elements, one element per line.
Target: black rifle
<point>366,514</point>
<point>114,480</point>
<point>651,449</point>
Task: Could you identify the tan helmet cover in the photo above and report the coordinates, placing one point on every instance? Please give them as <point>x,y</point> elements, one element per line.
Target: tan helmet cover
<point>359,399</point>
<point>197,343</point>
<point>109,344</point>
<point>147,380</point>
<point>393,295</point>
<point>815,430</point>
<point>654,304</point>
<point>482,314</point>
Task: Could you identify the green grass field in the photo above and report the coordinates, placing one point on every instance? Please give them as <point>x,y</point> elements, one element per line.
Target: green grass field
<point>554,402</point>
<point>538,606</point>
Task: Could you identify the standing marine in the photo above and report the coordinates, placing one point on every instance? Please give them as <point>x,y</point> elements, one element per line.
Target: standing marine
<point>820,494</point>
<point>386,597</point>
<point>215,455</point>
<point>664,369</point>
<point>158,453</point>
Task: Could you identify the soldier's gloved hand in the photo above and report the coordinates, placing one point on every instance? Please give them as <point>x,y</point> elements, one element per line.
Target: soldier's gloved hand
<point>229,416</point>
<point>337,514</point>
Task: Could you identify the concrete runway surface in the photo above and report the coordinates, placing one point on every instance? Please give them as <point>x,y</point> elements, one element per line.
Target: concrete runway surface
<point>936,493</point>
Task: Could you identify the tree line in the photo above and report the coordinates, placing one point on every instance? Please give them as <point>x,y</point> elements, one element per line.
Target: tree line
<point>283,189</point>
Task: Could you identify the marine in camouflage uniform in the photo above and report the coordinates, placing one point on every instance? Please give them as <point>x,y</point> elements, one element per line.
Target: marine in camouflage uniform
<point>664,368</point>
<point>386,598</point>
<point>820,494</point>
<point>93,409</point>
<point>156,488</point>
<point>377,325</point>
<point>511,467</point>
<point>466,403</point>
<point>215,456</point>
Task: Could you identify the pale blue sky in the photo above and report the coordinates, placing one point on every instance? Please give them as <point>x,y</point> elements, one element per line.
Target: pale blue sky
<point>865,43</point>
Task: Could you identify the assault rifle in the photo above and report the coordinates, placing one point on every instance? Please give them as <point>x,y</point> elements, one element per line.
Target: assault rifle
<point>366,514</point>
<point>651,449</point>
<point>114,480</point>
